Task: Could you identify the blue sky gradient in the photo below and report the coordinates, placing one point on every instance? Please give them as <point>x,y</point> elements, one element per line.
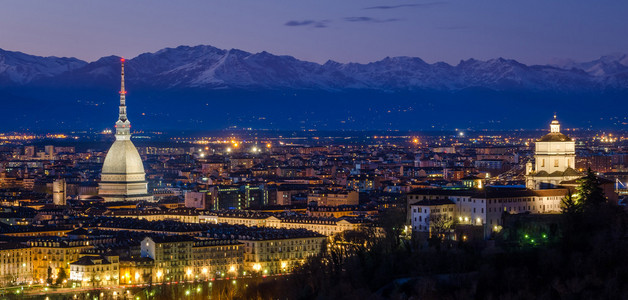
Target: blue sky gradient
<point>532,31</point>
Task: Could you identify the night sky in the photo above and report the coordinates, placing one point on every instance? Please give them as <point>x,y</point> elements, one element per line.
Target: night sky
<point>533,31</point>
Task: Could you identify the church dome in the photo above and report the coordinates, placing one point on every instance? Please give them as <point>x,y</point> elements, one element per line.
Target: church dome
<point>554,137</point>
<point>122,158</point>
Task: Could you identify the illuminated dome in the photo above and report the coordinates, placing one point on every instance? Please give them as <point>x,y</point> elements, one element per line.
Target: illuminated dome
<point>555,135</point>
<point>123,158</point>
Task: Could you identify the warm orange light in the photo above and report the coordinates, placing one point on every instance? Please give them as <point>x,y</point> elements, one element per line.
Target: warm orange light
<point>257,267</point>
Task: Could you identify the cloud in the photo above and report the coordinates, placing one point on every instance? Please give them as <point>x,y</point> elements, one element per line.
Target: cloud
<point>299,23</point>
<point>312,23</point>
<point>428,4</point>
<point>369,19</point>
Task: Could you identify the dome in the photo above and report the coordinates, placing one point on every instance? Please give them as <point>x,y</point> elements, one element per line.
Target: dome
<point>122,158</point>
<point>554,137</point>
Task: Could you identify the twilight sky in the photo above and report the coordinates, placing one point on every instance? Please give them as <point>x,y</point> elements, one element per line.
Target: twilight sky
<point>530,31</point>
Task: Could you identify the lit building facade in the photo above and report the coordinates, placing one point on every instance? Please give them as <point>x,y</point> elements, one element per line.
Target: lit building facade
<point>59,192</point>
<point>136,270</point>
<point>176,258</point>
<point>554,160</point>
<point>56,255</point>
<point>217,258</point>
<point>95,271</point>
<point>482,208</point>
<point>171,254</point>
<point>279,255</point>
<point>325,226</point>
<point>16,264</point>
<point>334,198</point>
<point>426,213</point>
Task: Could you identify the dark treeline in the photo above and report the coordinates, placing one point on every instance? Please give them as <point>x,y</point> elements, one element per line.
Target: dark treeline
<point>588,261</point>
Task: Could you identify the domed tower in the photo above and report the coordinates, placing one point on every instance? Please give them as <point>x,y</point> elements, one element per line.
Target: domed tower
<point>554,159</point>
<point>123,177</point>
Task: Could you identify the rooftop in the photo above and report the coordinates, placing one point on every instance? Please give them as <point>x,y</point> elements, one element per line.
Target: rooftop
<point>554,137</point>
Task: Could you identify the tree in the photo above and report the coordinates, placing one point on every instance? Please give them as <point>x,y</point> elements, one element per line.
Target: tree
<point>440,228</point>
<point>62,275</point>
<point>571,204</point>
<point>392,222</point>
<point>589,192</point>
<point>49,278</point>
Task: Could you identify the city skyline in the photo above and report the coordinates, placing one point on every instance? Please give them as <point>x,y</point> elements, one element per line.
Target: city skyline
<point>361,149</point>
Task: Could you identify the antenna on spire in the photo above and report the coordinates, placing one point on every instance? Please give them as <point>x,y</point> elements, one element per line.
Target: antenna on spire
<point>122,93</point>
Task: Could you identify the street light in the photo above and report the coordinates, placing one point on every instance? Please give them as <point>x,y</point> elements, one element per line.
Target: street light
<point>257,267</point>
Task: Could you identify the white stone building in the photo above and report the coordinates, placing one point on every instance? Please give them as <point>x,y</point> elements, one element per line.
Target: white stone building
<point>95,271</point>
<point>480,207</point>
<point>554,160</point>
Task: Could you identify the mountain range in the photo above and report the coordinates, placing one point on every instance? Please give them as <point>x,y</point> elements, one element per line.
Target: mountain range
<point>269,91</point>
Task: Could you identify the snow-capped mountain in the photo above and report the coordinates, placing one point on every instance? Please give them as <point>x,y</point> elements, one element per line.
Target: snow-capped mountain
<point>20,68</point>
<point>206,67</point>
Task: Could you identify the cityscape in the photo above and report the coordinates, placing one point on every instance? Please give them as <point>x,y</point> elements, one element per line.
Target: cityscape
<point>261,176</point>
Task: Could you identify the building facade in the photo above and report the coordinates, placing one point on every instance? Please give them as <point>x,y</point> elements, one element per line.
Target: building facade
<point>53,255</point>
<point>16,264</point>
<point>483,208</point>
<point>554,160</point>
<point>279,255</point>
<point>95,271</point>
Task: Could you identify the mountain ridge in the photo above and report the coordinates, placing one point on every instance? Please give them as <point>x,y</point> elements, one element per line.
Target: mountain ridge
<point>208,67</point>
<point>204,87</point>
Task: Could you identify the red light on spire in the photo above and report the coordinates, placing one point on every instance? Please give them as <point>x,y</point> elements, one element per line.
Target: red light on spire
<point>122,59</point>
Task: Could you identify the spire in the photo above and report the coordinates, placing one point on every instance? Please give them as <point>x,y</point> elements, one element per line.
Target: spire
<point>122,94</point>
<point>123,126</point>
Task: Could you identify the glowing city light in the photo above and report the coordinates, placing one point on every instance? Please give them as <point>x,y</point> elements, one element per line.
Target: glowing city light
<point>257,267</point>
